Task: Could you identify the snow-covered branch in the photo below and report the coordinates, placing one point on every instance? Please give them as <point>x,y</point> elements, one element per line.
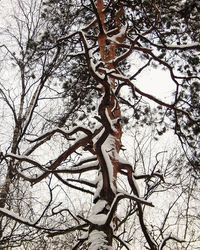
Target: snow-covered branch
<point>65,133</point>
<point>123,195</point>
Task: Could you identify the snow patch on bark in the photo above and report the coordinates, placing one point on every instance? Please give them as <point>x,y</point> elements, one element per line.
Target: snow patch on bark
<point>97,241</point>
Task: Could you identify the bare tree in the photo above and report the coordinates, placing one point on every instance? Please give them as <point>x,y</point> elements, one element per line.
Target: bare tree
<point>29,101</point>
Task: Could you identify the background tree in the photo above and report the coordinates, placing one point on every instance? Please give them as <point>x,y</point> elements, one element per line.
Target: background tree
<point>28,102</point>
<point>93,45</point>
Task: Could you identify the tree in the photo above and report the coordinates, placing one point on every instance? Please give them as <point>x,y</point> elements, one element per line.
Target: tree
<point>23,94</point>
<point>97,42</point>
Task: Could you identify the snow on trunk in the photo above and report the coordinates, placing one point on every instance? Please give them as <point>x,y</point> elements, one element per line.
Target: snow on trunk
<point>107,143</point>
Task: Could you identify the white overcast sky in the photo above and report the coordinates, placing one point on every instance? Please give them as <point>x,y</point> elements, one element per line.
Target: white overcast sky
<point>154,81</point>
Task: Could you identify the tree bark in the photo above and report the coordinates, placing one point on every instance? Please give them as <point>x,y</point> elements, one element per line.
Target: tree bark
<point>108,145</point>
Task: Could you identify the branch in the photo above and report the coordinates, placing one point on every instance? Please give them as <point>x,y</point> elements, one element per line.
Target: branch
<point>26,222</point>
<point>164,242</point>
<point>85,182</point>
<point>46,74</point>
<point>151,97</point>
<point>4,97</point>
<point>63,156</point>
<point>121,241</point>
<point>67,230</point>
<point>120,196</point>
<point>98,17</point>
<point>80,143</point>
<point>195,45</point>
<point>135,190</point>
<point>73,186</point>
<point>77,170</point>
<point>65,133</point>
<point>23,158</point>
<point>79,243</point>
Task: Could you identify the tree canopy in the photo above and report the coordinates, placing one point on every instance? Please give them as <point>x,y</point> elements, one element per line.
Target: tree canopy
<point>77,64</point>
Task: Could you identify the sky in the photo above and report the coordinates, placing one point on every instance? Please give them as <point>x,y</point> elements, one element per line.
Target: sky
<point>156,82</point>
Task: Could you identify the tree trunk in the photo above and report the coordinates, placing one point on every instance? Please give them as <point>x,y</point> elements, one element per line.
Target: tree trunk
<point>107,146</point>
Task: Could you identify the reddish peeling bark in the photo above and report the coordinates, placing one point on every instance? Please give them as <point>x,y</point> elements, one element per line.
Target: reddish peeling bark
<point>108,54</point>
<point>109,112</point>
